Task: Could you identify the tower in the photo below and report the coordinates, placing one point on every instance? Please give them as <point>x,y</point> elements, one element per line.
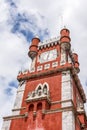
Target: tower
<point>50,95</point>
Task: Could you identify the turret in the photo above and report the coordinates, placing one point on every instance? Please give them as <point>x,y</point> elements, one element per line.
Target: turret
<point>65,39</point>
<point>76,64</point>
<point>65,45</point>
<point>33,48</point>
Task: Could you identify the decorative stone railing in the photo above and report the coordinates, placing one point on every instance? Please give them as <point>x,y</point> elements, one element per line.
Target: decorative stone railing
<point>38,95</point>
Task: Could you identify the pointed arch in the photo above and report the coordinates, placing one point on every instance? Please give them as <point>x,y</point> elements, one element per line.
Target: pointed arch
<point>39,86</point>
<point>45,88</point>
<point>39,89</point>
<point>46,84</point>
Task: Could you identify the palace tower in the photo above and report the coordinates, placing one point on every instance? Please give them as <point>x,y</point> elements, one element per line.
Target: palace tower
<point>50,95</point>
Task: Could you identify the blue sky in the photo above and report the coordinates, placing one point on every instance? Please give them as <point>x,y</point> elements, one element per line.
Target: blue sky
<point>20,21</point>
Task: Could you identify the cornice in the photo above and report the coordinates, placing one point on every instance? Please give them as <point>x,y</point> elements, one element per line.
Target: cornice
<point>44,73</point>
<point>14,117</point>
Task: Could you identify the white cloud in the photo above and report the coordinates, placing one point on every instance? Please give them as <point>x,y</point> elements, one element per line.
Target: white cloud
<point>14,47</point>
<point>17,49</point>
<point>3,11</point>
<point>13,57</point>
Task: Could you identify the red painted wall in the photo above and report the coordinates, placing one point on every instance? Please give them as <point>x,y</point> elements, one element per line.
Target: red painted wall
<point>45,122</point>
<point>52,120</point>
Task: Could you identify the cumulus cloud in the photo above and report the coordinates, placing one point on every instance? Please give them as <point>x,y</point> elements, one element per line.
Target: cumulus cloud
<point>20,21</point>
<point>16,30</point>
<point>13,55</point>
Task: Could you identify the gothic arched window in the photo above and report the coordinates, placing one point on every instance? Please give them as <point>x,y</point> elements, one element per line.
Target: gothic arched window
<point>39,91</point>
<point>45,89</point>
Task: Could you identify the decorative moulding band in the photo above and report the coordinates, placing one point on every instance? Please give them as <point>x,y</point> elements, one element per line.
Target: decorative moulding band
<point>14,117</point>
<point>18,109</point>
<point>48,72</point>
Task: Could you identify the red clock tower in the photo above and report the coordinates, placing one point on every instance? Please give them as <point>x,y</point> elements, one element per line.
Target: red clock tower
<point>50,95</point>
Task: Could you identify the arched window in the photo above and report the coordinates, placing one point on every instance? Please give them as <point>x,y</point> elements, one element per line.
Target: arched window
<point>31,107</point>
<point>39,86</point>
<point>39,89</point>
<point>45,89</point>
<point>39,106</point>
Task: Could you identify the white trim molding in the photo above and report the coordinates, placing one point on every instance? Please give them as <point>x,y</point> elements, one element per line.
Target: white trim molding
<point>68,121</point>
<point>6,125</point>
